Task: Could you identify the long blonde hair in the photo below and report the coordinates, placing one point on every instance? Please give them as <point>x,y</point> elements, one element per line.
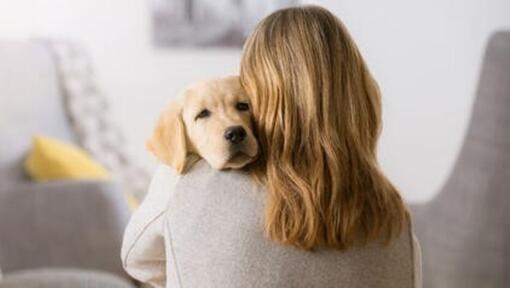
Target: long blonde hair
<point>317,115</point>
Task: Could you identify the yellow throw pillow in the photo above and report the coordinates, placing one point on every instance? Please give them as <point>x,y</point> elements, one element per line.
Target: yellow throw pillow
<point>52,159</point>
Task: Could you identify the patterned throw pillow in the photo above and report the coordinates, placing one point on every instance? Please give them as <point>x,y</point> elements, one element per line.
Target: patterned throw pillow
<point>91,121</point>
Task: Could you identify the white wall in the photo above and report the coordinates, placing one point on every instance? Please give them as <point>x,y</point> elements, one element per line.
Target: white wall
<point>425,54</point>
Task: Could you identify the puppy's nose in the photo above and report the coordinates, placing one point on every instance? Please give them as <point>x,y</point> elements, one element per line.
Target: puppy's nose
<point>235,134</point>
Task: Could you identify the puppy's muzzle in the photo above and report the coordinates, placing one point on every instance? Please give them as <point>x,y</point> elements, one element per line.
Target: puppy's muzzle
<point>235,134</point>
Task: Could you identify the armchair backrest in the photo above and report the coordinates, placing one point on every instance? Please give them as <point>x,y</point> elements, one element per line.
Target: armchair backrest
<point>465,231</point>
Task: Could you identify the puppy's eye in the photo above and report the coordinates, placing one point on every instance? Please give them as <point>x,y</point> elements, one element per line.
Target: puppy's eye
<point>203,114</point>
<point>242,106</point>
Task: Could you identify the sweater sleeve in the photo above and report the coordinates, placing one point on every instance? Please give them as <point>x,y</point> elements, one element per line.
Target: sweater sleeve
<point>143,246</point>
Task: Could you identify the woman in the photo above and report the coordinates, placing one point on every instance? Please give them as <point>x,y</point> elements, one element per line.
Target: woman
<point>321,214</point>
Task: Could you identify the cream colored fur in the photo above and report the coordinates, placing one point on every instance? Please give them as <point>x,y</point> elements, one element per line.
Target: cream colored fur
<point>181,137</point>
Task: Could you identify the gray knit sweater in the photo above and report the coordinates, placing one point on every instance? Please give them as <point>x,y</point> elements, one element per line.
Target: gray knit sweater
<point>204,229</point>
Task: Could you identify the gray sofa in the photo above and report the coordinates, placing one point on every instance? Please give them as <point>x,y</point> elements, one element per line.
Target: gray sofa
<point>465,231</point>
<point>59,233</point>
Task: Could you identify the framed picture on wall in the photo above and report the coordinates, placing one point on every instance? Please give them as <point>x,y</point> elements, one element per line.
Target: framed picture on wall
<point>209,23</point>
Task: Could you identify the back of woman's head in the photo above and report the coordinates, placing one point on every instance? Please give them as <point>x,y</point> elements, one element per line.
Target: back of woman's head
<point>317,113</point>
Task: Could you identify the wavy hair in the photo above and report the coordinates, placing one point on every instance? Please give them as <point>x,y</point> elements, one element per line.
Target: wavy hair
<point>317,115</point>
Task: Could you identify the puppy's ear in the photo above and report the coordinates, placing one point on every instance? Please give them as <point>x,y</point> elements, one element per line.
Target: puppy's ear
<point>168,141</point>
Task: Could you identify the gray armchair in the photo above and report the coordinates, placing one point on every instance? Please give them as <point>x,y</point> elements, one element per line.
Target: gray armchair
<point>59,233</point>
<point>465,231</point>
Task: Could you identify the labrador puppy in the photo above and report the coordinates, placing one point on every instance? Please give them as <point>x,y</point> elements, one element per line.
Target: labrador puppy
<point>209,120</point>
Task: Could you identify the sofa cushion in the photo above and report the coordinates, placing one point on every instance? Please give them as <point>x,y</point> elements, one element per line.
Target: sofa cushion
<point>62,224</point>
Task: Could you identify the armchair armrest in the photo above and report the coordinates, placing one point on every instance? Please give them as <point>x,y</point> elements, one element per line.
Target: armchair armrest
<point>62,224</point>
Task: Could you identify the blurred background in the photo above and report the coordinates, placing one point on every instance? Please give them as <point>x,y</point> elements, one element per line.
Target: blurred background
<point>426,55</point>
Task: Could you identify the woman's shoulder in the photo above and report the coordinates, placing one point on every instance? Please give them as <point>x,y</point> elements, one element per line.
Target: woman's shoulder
<point>199,176</point>
<point>202,172</point>
<point>204,182</point>
<point>165,176</point>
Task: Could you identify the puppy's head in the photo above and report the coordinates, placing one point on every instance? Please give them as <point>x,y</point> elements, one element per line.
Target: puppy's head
<point>211,119</point>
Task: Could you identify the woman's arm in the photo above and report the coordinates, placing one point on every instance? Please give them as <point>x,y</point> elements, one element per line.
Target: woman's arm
<point>143,248</point>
